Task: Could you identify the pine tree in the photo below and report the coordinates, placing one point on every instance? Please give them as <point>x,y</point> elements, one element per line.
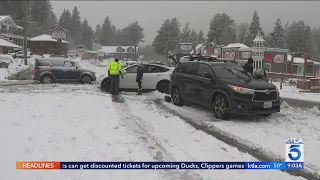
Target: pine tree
<point>299,37</point>
<point>277,35</point>
<point>168,37</point>
<point>186,34</point>
<point>107,36</point>
<point>254,29</point>
<point>52,20</point>
<point>87,35</point>
<point>75,28</point>
<point>13,8</point>
<point>219,24</point>
<point>98,33</point>
<point>200,38</point>
<point>40,13</point>
<point>65,20</point>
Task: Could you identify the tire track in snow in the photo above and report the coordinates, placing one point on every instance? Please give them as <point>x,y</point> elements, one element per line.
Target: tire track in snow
<point>234,141</point>
<point>156,150</point>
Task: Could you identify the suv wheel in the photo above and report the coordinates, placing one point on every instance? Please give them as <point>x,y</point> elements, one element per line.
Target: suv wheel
<point>46,79</point>
<point>176,97</point>
<point>220,107</point>
<point>86,79</point>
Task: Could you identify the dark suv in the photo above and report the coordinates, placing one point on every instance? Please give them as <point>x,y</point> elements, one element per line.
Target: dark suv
<point>224,87</point>
<point>49,70</point>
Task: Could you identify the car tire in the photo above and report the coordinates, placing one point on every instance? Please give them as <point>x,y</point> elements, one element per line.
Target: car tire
<point>163,87</point>
<point>86,79</point>
<point>46,79</point>
<point>220,107</point>
<point>176,97</point>
<point>105,85</point>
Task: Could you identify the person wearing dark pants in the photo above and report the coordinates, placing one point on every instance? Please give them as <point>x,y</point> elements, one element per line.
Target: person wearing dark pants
<point>139,78</point>
<point>114,71</point>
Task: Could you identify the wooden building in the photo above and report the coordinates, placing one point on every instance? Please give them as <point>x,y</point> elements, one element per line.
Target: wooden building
<point>44,44</point>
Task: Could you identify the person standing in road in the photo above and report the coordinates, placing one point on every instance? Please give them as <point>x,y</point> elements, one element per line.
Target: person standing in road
<point>114,71</point>
<point>248,67</point>
<point>139,77</point>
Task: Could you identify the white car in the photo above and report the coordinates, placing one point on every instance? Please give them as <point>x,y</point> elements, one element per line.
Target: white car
<point>155,77</point>
<point>5,60</point>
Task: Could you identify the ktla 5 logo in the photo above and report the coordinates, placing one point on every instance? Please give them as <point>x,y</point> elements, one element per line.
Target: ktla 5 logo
<point>294,150</point>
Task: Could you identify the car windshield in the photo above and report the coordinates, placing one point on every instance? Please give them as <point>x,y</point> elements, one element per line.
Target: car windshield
<point>231,72</point>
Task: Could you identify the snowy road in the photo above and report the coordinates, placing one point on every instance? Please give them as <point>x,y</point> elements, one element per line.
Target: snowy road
<point>79,123</point>
<point>268,133</point>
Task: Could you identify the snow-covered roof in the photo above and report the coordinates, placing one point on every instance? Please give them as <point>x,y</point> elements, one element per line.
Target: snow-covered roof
<point>45,37</point>
<point>236,45</point>
<point>113,49</point>
<point>3,18</point>
<point>258,38</point>
<point>5,43</point>
<point>298,60</point>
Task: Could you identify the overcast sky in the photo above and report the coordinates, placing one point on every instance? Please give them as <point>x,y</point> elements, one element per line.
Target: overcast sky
<point>151,14</point>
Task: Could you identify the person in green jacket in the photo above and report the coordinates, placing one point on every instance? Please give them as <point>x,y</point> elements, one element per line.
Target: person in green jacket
<point>114,71</point>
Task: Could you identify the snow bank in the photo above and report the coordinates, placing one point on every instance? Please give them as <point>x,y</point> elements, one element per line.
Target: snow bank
<point>18,71</point>
<point>293,93</point>
<point>71,126</point>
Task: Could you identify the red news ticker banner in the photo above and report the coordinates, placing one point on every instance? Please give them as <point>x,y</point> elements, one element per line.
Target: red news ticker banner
<point>39,165</point>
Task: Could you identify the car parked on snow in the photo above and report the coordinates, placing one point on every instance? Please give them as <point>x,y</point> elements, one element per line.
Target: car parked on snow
<point>155,77</point>
<point>224,87</point>
<point>5,60</point>
<point>49,70</point>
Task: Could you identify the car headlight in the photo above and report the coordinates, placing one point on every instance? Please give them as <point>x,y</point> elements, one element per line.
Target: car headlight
<point>241,90</point>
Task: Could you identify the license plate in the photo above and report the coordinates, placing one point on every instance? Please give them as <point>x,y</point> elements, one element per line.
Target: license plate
<point>267,104</point>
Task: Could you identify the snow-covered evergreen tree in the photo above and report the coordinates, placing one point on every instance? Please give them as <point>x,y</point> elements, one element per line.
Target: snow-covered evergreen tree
<point>200,38</point>
<point>254,29</point>
<point>186,34</point>
<point>168,37</point>
<point>218,25</point>
<point>107,36</point>
<point>299,37</point>
<point>277,35</point>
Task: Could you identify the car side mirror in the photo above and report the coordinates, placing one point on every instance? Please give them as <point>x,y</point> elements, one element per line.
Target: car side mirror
<point>207,75</point>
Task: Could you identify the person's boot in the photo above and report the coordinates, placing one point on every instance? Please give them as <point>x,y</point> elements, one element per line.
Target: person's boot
<point>139,92</point>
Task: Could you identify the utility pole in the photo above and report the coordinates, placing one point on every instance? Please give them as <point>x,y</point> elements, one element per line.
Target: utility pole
<point>25,33</point>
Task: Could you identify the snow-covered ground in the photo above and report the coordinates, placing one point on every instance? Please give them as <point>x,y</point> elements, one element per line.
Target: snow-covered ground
<point>267,133</point>
<point>79,123</point>
<point>293,93</point>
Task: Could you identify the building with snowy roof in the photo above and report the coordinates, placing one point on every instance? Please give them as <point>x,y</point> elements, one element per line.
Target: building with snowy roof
<point>44,44</point>
<point>10,31</point>
<point>276,60</point>
<point>121,52</point>
<point>7,47</point>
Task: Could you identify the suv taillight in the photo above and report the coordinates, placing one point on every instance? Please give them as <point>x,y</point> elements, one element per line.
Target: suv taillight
<point>36,72</point>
